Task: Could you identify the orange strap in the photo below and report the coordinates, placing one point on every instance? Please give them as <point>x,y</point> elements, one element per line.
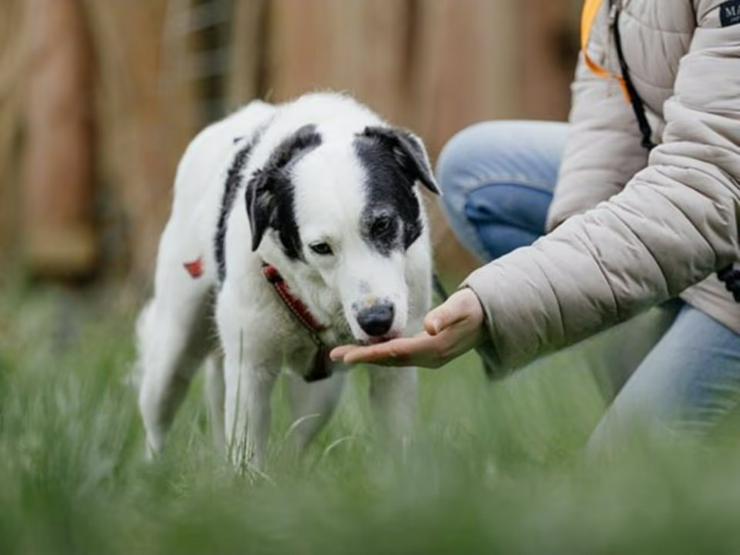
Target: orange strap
<point>590,12</point>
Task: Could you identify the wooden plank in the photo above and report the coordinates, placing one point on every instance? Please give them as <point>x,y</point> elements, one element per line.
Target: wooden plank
<point>355,46</point>
<point>464,71</point>
<point>58,194</point>
<point>14,52</point>
<point>465,66</point>
<point>148,112</point>
<point>550,48</point>
<point>244,80</point>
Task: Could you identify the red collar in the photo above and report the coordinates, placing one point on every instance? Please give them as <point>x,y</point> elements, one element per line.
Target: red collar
<point>294,304</point>
<point>301,312</point>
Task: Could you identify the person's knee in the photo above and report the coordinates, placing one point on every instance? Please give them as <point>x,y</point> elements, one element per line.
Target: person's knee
<point>506,216</point>
<point>492,193</point>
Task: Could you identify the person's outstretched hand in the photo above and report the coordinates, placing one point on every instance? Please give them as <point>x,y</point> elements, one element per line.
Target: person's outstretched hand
<point>454,327</point>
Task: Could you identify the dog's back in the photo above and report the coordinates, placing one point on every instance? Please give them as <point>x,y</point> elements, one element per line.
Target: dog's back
<point>201,171</point>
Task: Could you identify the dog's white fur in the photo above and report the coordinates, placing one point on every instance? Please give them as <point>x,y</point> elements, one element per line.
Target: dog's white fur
<point>257,335</point>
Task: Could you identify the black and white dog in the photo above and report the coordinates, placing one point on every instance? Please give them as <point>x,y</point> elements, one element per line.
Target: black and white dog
<point>304,223</point>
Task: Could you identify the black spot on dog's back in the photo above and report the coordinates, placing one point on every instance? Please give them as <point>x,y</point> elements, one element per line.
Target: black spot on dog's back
<point>233,179</point>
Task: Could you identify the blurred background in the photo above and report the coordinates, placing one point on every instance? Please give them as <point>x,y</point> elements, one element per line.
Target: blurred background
<point>98,99</point>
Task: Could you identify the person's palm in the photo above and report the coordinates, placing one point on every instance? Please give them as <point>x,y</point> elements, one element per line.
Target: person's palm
<point>452,328</point>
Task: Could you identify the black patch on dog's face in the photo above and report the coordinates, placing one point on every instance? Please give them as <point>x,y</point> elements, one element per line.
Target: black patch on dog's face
<point>269,194</point>
<point>393,162</point>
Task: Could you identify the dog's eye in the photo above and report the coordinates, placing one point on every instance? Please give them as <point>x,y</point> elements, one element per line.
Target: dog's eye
<point>322,249</point>
<point>382,225</point>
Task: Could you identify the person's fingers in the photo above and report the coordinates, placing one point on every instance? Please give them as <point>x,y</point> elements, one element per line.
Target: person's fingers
<point>446,314</point>
<point>396,350</point>
<point>358,353</point>
<point>337,353</point>
<point>389,350</point>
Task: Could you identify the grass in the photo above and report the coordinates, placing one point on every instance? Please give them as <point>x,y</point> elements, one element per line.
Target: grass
<point>495,468</point>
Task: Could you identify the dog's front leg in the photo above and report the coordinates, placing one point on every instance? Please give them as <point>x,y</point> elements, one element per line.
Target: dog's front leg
<point>247,419</point>
<point>393,393</point>
<point>251,366</point>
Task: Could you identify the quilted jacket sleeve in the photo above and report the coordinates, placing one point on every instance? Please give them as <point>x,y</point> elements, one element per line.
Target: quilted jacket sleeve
<point>603,150</point>
<point>674,223</point>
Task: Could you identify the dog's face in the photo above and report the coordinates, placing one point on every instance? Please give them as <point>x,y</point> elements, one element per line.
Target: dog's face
<point>347,211</point>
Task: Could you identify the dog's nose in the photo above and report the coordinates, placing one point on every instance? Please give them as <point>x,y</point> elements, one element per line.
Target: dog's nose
<point>376,320</point>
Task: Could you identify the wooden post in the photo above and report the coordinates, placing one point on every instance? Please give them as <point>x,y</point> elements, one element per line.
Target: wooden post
<point>464,71</point>
<point>357,46</point>
<point>14,50</point>
<point>148,114</point>
<point>59,235</point>
<point>247,50</point>
<point>550,51</point>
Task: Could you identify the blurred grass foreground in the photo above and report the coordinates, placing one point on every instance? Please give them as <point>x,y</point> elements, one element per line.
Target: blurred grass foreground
<point>493,468</point>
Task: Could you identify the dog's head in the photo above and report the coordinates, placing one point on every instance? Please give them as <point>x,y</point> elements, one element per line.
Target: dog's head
<point>343,214</point>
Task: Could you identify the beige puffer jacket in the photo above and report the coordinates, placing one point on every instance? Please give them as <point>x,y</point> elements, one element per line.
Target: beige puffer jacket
<point>630,232</point>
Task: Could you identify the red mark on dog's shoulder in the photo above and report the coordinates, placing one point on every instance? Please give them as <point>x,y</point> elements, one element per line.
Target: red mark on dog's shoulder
<point>194,268</point>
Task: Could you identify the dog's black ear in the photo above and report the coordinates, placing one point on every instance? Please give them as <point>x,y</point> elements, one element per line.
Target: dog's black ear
<point>263,187</point>
<point>260,206</point>
<point>409,152</point>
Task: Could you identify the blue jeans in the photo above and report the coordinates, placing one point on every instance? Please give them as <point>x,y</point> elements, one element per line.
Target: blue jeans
<point>498,179</point>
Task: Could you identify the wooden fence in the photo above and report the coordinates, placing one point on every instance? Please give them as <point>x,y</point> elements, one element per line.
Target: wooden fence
<point>98,99</point>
